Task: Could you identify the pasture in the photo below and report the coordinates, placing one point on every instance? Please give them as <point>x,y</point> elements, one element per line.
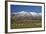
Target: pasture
<point>26,24</point>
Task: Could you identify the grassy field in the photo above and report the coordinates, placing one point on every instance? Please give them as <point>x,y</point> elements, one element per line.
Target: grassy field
<point>26,24</point>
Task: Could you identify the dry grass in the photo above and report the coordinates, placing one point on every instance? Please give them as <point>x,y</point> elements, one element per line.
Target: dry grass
<point>26,24</point>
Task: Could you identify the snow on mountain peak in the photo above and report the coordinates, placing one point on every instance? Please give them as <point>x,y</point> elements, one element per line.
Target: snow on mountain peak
<point>22,13</point>
<point>35,14</point>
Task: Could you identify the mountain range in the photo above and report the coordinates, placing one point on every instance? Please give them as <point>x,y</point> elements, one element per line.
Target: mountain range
<point>23,15</point>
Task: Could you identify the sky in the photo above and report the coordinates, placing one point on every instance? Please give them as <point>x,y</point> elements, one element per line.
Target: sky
<point>19,8</point>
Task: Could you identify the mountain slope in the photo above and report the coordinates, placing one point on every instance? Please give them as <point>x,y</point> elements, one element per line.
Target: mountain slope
<point>23,15</point>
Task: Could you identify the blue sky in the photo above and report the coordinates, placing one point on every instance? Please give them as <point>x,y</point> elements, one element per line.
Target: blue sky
<point>19,8</point>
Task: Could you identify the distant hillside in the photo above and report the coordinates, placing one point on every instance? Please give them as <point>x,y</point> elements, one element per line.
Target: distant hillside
<point>26,16</point>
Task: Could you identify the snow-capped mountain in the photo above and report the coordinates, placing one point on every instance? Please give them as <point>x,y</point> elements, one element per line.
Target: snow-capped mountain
<point>24,13</point>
